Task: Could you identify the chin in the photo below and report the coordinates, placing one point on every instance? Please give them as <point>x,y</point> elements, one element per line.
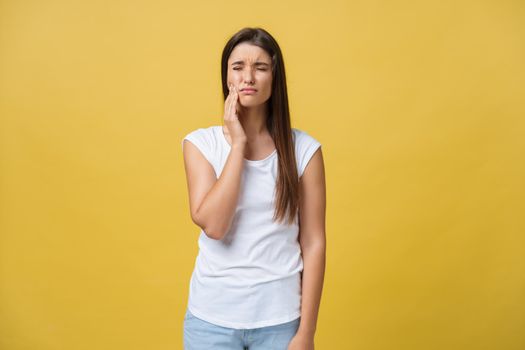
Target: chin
<point>249,104</point>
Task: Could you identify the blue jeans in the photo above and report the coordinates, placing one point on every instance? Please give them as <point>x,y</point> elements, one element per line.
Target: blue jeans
<point>202,335</point>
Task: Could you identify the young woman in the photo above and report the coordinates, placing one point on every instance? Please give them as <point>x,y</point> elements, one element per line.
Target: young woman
<point>257,191</point>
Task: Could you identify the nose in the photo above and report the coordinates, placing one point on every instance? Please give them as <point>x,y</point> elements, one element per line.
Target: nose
<point>248,75</point>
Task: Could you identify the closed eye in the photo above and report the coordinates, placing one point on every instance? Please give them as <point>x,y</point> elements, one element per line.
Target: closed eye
<point>262,69</point>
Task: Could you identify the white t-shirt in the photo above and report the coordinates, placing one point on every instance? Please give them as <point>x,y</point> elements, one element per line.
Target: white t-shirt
<point>250,278</point>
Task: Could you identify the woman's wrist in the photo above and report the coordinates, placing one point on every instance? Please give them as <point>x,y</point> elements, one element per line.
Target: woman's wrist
<point>306,332</point>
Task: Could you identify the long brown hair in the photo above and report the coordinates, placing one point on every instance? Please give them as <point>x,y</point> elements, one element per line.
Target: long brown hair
<point>277,122</point>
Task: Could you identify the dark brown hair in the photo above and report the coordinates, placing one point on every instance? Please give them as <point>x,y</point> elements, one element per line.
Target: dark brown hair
<point>277,122</point>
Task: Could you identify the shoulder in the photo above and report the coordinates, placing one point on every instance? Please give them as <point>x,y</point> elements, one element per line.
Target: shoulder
<point>207,141</point>
<point>302,137</point>
<point>305,146</point>
<point>204,137</point>
<point>203,132</point>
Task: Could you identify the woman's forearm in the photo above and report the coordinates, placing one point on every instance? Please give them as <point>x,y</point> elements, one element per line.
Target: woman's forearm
<point>314,262</point>
<point>215,214</point>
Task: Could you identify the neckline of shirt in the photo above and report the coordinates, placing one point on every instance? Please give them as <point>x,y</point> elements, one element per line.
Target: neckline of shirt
<point>250,161</point>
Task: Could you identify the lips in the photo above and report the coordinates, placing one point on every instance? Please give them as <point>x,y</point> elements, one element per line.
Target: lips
<point>248,90</point>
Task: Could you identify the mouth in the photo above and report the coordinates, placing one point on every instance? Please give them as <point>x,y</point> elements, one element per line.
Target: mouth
<point>249,91</point>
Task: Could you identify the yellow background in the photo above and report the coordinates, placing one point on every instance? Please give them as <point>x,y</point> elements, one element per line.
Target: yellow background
<point>419,108</point>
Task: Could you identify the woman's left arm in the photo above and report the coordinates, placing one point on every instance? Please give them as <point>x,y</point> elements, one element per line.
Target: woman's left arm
<point>312,238</point>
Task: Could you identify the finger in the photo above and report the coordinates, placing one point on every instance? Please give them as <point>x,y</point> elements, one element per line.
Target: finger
<point>235,100</point>
<point>230,105</point>
<point>226,101</point>
<point>229,94</point>
<point>226,106</point>
<point>229,101</point>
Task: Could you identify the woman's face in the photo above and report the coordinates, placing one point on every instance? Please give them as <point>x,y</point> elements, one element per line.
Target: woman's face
<point>250,66</point>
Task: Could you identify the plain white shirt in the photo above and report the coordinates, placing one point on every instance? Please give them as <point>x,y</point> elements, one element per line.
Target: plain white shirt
<point>250,278</point>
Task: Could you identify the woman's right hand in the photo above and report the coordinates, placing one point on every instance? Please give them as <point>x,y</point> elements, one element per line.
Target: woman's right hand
<point>231,117</point>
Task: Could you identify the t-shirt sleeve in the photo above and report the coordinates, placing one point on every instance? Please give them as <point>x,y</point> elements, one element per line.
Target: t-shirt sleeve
<point>305,147</point>
<point>202,141</point>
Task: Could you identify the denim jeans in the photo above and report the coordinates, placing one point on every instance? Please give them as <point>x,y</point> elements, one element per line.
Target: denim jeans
<point>202,335</point>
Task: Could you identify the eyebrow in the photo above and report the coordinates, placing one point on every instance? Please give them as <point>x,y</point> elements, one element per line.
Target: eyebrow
<point>256,63</point>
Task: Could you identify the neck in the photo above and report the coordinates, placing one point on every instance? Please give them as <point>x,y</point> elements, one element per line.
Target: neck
<point>253,120</point>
